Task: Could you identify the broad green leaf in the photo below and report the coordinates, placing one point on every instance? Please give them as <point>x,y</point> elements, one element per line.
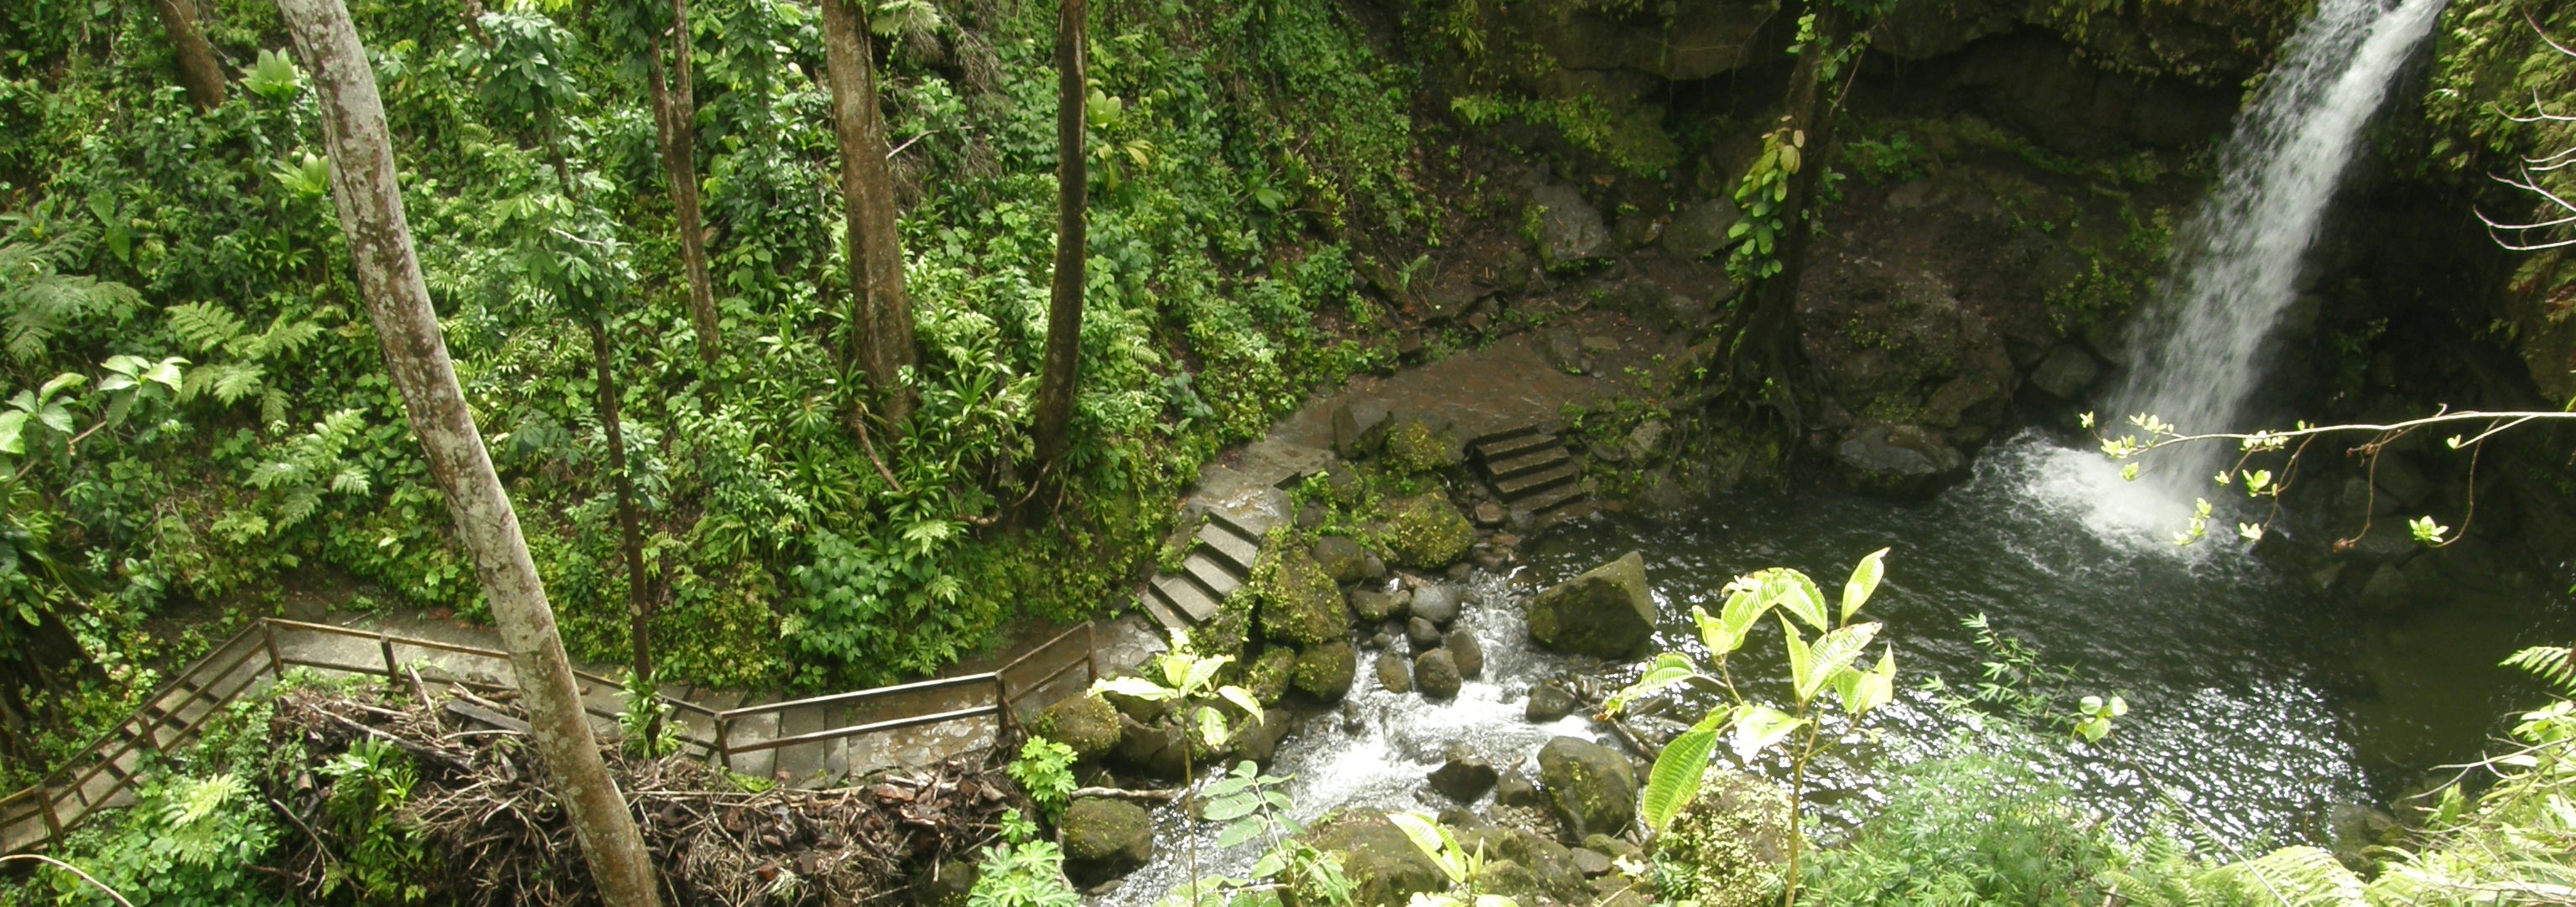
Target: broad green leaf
<point>1667,669</point>
<point>1242,699</point>
<point>1789,589</point>
<point>1238,833</point>
<point>1433,843</point>
<point>1231,808</point>
<point>1138,687</point>
<point>1832,652</point>
<point>113,383</point>
<point>1676,777</point>
<point>1760,727</point>
<point>59,383</point>
<point>1212,726</point>
<point>1864,691</point>
<point>1863,582</point>
<point>1736,618</point>
<point>12,424</point>
<point>1801,662</point>
<point>56,416</point>
<point>1495,900</point>
<point>166,373</point>
<point>125,364</point>
<point>1202,671</point>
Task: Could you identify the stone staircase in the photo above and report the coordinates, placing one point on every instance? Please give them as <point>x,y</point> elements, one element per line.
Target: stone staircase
<point>1219,562</point>
<point>1530,469</point>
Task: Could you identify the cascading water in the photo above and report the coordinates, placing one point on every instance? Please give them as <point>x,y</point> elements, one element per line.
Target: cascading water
<point>2197,359</point>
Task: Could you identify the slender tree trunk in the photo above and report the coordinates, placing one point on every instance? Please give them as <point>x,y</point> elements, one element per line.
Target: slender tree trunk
<point>388,271</point>
<point>1072,182</point>
<point>675,110</point>
<point>881,315</point>
<point>639,599</point>
<point>1766,333</point>
<point>198,71</point>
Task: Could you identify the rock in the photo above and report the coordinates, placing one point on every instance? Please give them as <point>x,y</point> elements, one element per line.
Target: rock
<point>1894,342</point>
<point>1516,790</point>
<point>1591,788</point>
<point>1563,351</point>
<point>1312,516</point>
<point>1342,559</point>
<point>1570,231</point>
<point>1325,671</point>
<point>1459,572</point>
<point>1088,725</point>
<point>1466,651</point>
<point>1382,865</point>
<point>1139,709</point>
<point>1898,460</point>
<point>946,884</point>
<point>1489,514</point>
<point>1104,837</point>
<point>1372,567</point>
<point>1358,433</point>
<point>1438,602</point>
<point>1435,673</point>
<point>1699,231</point>
<point>1465,776</point>
<point>1591,862</point>
<point>1267,677</point>
<point>1422,634</point>
<point>1614,848</point>
<point>1599,345</point>
<point>1415,445</point>
<point>1490,557</point>
<point>1534,868</point>
<point>1301,604</point>
<point>1154,749</point>
<point>1344,485</point>
<point>1647,439</point>
<point>1373,606</point>
<point>1607,613</point>
<point>1392,674</point>
<point>1425,531</point>
<point>2354,828</point>
<point>1548,702</point>
<point>1734,837</point>
<point>1259,740</point>
<point>2067,372</point>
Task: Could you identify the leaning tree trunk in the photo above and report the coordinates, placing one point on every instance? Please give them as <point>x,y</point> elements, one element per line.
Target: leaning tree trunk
<point>1765,335</point>
<point>198,71</point>
<point>1064,307</point>
<point>639,601</point>
<point>880,314</point>
<point>388,271</point>
<point>675,110</point>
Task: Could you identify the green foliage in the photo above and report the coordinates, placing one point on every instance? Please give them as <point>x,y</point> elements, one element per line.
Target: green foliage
<point>645,719</point>
<point>382,860</point>
<point>1249,806</point>
<point>1969,827</point>
<point>186,841</point>
<point>1763,195</point>
<point>1459,865</point>
<point>1021,871</point>
<point>1045,770</point>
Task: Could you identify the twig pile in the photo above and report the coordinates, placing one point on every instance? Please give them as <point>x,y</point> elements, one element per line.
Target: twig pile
<point>500,839</point>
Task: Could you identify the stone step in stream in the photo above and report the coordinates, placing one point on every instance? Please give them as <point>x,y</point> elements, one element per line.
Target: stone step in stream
<point>1530,469</point>
<point>1219,562</point>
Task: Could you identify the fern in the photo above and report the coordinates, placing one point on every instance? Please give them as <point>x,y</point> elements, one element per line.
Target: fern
<point>37,302</point>
<point>203,326</point>
<point>2554,665</point>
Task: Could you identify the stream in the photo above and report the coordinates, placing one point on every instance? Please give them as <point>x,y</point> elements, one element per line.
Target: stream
<point>2255,703</point>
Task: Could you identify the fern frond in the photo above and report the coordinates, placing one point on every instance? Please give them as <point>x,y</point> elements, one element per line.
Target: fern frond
<point>2300,876</point>
<point>234,382</point>
<point>203,325</point>
<point>2554,665</point>
<point>284,339</point>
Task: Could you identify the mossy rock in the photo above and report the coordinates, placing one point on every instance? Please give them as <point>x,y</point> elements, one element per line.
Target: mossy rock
<point>1325,671</point>
<point>1382,865</point>
<point>1267,679</point>
<point>1592,788</point>
<point>1086,724</point>
<point>1729,847</point>
<point>1425,531</point>
<point>1608,612</point>
<point>1300,604</point>
<point>1417,446</point>
<point>1105,837</point>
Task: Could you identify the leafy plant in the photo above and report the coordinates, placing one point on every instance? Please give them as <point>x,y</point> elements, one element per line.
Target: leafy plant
<point>1188,681</point>
<point>382,859</point>
<point>1021,871</point>
<point>1460,866</point>
<point>188,840</point>
<point>644,719</point>
<point>1045,770</point>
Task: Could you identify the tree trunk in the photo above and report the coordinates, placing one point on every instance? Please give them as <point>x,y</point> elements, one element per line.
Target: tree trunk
<point>675,110</point>
<point>639,600</point>
<point>880,314</point>
<point>1766,334</point>
<point>388,271</point>
<point>1064,307</point>
<point>198,71</point>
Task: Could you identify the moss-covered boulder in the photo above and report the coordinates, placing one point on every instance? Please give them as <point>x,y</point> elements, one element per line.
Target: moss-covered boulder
<point>1382,865</point>
<point>1267,679</point>
<point>1300,604</point>
<point>945,884</point>
<point>1416,445</point>
<point>1104,838</point>
<point>1086,724</point>
<point>1342,559</point>
<point>1325,671</point>
<point>1608,612</point>
<point>1591,788</point>
<point>1545,870</point>
<point>1425,531</point>
<point>1730,846</point>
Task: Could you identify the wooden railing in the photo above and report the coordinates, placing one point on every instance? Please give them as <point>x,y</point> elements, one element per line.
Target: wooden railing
<point>106,771</point>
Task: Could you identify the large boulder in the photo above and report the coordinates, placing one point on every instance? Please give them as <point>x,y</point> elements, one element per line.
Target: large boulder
<point>1342,559</point>
<point>1154,749</point>
<point>1570,231</point>
<point>1086,724</point>
<point>1536,869</point>
<point>1300,604</point>
<point>1268,676</point>
<point>1438,602</point>
<point>1548,702</point>
<point>1375,607</point>
<point>1325,671</point>
<point>1259,740</point>
<point>1731,843</point>
<point>1415,444</point>
<point>1435,673</point>
<point>1901,461</point>
<point>1465,776</point>
<point>1382,865</point>
<point>1608,612</point>
<point>1104,838</point>
<point>1699,231</point>
<point>1427,532</point>
<point>1592,788</point>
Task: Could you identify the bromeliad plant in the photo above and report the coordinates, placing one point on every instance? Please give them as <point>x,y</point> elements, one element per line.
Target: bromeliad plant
<point>1829,664</point>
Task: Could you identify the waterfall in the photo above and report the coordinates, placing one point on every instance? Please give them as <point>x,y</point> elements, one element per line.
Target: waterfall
<point>2197,358</point>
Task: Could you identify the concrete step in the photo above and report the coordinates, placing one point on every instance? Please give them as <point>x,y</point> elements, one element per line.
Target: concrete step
<point>1510,443</point>
<point>1515,489</point>
<point>1521,464</point>
<point>1210,575</point>
<point>1250,529</point>
<point>1229,547</point>
<point>1186,598</point>
<point>1551,500</point>
<point>1164,616</point>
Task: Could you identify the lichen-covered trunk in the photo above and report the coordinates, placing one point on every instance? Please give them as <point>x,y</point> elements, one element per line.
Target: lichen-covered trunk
<point>388,272</point>
<point>675,111</point>
<point>880,314</point>
<point>198,71</point>
<point>639,600</point>
<point>1064,306</point>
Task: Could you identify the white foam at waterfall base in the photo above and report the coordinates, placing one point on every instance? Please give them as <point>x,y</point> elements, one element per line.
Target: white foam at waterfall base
<point>1400,738</point>
<point>2072,487</point>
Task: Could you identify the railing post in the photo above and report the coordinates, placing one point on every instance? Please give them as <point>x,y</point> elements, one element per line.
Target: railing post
<point>724,744</point>
<point>392,670</point>
<point>53,822</point>
<point>268,634</point>
<point>1090,654</point>
<point>1002,704</point>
